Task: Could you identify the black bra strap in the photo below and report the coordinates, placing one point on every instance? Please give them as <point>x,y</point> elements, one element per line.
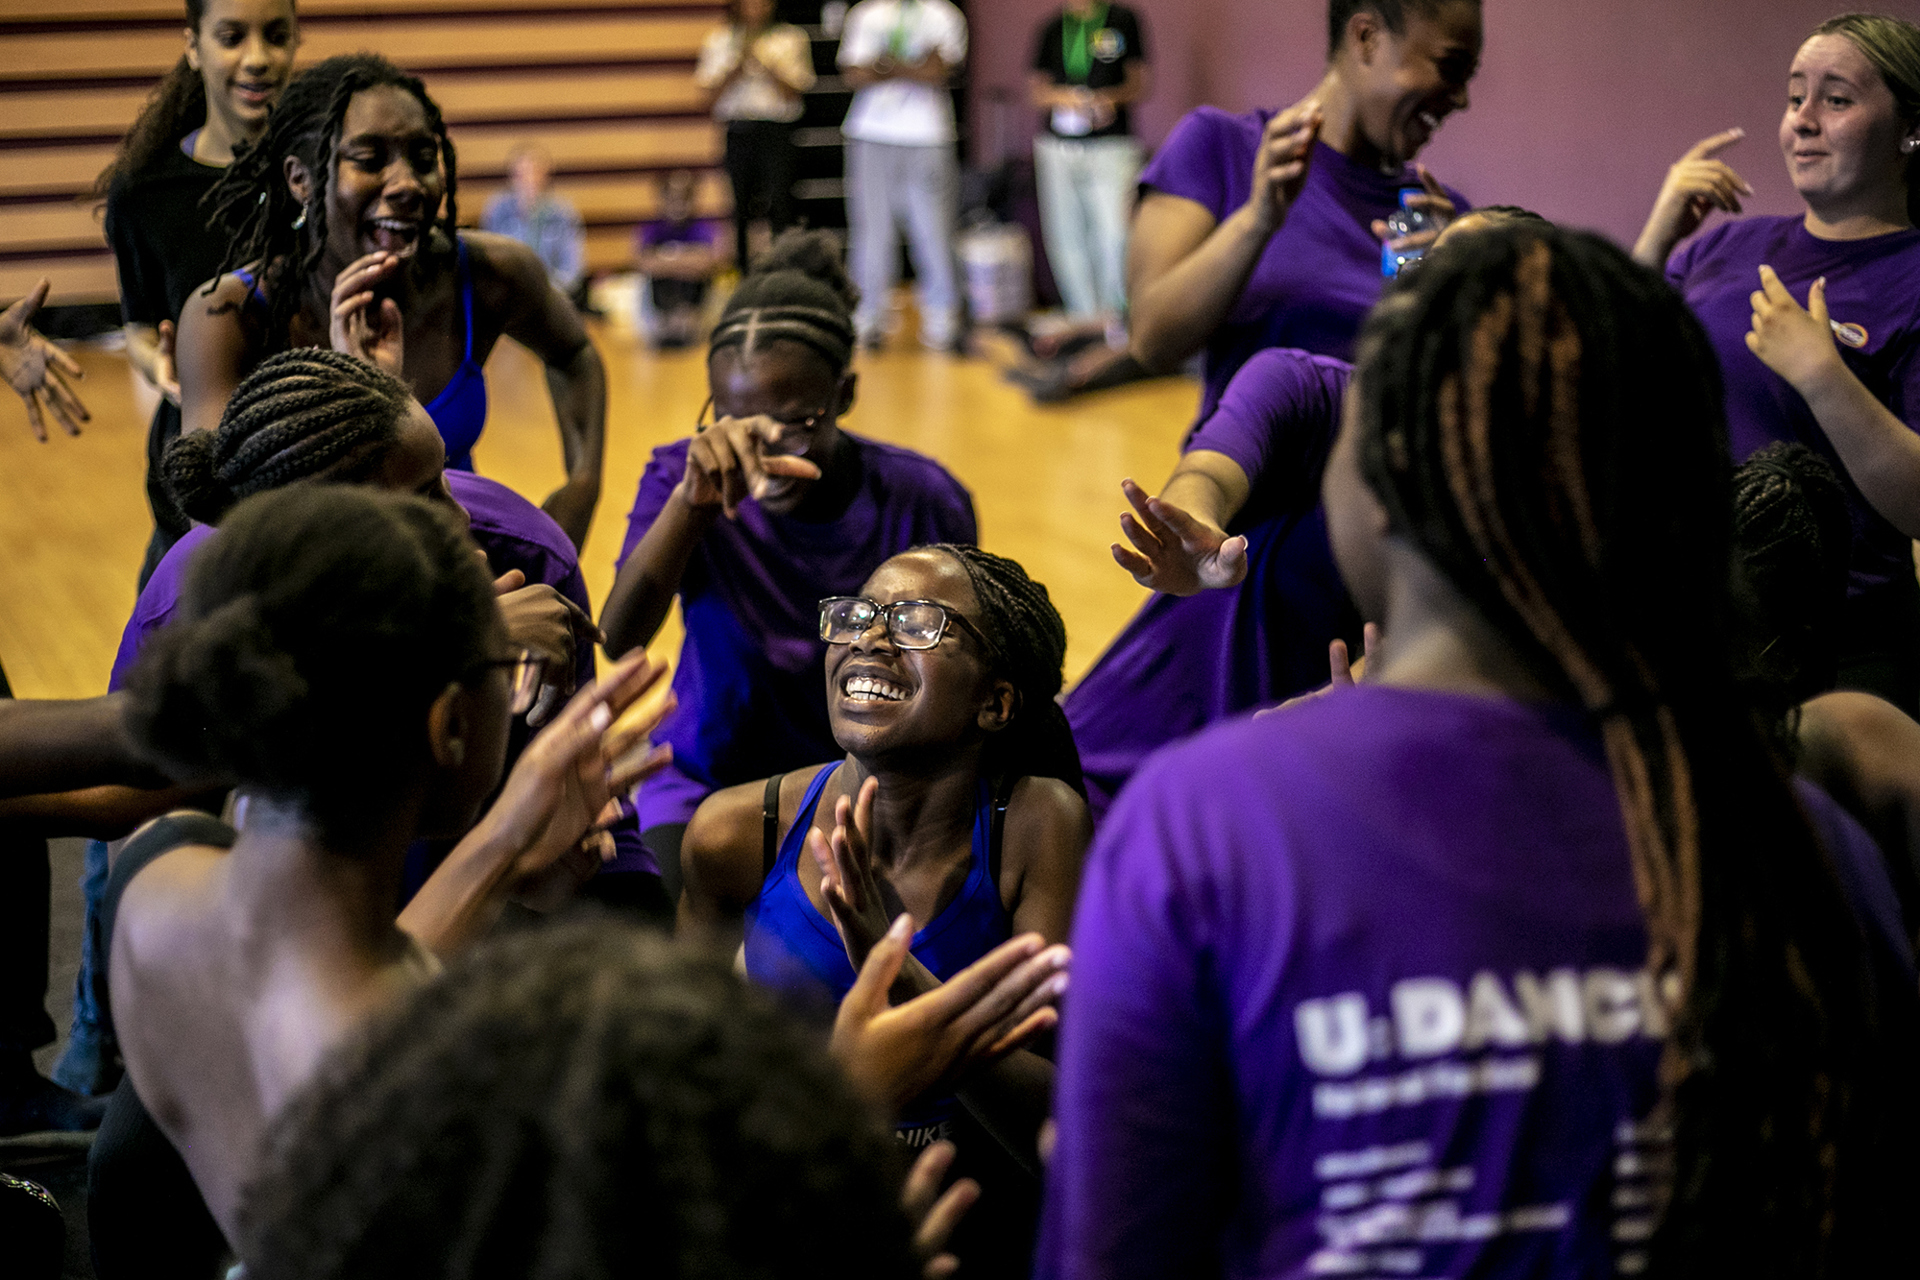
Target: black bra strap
<point>1002,796</point>
<point>770,820</point>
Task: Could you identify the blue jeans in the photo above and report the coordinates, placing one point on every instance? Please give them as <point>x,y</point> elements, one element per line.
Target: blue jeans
<point>1086,196</point>
<point>918,188</point>
<point>90,1064</point>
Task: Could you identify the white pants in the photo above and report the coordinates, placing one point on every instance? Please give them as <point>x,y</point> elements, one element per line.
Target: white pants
<point>917,189</point>
<point>1086,195</point>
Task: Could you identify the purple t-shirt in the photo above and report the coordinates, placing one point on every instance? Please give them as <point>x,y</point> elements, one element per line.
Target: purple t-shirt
<point>654,234</point>
<point>751,678</point>
<point>1873,288</point>
<point>513,532</point>
<point>1184,662</point>
<point>1359,989</point>
<point>1319,275</point>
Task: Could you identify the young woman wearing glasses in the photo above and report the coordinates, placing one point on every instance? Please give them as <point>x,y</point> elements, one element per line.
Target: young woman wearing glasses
<point>808,509</point>
<point>954,795</point>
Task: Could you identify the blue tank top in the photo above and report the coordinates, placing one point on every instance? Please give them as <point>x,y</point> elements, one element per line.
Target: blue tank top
<point>460,410</point>
<point>791,947</point>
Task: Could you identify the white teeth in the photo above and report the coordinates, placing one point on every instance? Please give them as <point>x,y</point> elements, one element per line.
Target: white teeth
<point>867,689</point>
<point>1430,120</point>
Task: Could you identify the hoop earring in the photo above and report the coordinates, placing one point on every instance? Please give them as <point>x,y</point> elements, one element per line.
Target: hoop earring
<point>1908,144</point>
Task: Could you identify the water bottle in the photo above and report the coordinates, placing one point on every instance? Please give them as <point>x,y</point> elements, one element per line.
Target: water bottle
<point>1404,221</point>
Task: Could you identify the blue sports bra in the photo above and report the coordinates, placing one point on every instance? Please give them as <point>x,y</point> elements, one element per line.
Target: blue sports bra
<point>460,410</point>
<point>791,947</point>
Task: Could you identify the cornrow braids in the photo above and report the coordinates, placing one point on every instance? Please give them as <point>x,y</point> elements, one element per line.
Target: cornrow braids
<point>305,414</point>
<point>797,291</point>
<point>1030,649</point>
<point>1542,418</point>
<point>255,209</point>
<point>1792,538</point>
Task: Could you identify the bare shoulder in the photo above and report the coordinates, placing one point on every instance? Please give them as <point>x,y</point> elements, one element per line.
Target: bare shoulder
<point>1858,736</point>
<point>503,266</point>
<point>720,853</point>
<point>163,908</point>
<point>1048,830</point>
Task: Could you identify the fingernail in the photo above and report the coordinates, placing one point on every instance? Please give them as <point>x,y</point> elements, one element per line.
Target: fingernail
<point>600,717</point>
<point>901,927</point>
<point>1057,985</point>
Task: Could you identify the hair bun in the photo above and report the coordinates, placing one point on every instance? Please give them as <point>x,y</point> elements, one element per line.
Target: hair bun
<point>187,467</point>
<point>816,255</point>
<point>208,693</point>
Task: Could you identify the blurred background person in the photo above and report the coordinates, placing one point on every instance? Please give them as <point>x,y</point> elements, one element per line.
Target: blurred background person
<point>754,71</point>
<point>536,215</point>
<point>677,254</point>
<point>1089,65</point>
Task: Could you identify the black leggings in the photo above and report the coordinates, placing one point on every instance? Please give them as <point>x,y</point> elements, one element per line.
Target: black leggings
<point>760,162</point>
<point>145,1217</point>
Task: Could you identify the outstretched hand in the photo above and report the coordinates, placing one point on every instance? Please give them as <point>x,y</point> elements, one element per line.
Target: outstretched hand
<point>1695,186</point>
<point>934,1216</point>
<point>848,881</point>
<point>932,1042</point>
<point>562,791</point>
<point>1173,551</point>
<point>362,323</point>
<point>733,460</point>
<point>37,370</point>
<point>1795,342</point>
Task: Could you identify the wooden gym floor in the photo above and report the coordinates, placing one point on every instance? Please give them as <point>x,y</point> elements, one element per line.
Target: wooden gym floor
<point>1045,481</point>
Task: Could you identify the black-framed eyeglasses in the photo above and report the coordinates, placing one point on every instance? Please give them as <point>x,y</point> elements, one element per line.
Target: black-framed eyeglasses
<point>911,624</point>
<point>806,423</point>
<point>526,672</point>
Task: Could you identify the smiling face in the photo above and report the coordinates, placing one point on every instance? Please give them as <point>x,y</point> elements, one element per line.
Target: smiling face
<point>791,383</point>
<point>1408,84</point>
<point>243,50</point>
<point>387,182</point>
<point>884,700</point>
<point>1841,134</point>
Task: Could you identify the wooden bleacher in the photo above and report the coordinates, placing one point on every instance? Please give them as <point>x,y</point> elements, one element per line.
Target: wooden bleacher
<point>606,85</point>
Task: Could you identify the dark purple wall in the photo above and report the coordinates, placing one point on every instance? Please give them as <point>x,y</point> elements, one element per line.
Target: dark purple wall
<point>1579,107</point>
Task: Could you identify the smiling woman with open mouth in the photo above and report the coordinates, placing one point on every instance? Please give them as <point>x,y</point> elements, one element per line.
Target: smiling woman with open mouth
<point>958,802</point>
<point>341,227</point>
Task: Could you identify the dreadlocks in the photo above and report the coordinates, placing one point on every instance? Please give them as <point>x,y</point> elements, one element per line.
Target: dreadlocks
<point>1030,648</point>
<point>255,209</point>
<point>1539,417</point>
<point>303,414</point>
<point>798,290</point>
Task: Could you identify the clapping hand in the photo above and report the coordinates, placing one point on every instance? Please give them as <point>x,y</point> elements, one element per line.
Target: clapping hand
<point>848,881</point>
<point>1280,164</point>
<point>934,1216</point>
<point>1342,672</point>
<point>731,461</point>
<point>37,370</point>
<point>931,1042</point>
<point>362,323</point>
<point>1173,551</point>
<point>1795,342</point>
<point>562,791</point>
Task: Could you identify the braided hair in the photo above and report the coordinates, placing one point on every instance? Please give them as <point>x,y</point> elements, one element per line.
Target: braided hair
<point>1541,418</point>
<point>255,209</point>
<point>583,1100</point>
<point>1030,649</point>
<point>304,414</point>
<point>798,291</point>
<point>315,629</point>
<point>1792,540</point>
